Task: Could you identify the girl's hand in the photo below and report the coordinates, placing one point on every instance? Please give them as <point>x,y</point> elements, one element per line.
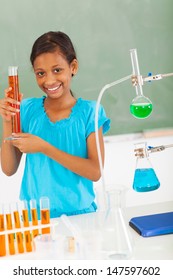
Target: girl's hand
<point>7,106</point>
<point>27,143</point>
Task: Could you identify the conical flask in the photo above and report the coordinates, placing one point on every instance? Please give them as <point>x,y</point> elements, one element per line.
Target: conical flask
<point>145,178</point>
<point>117,242</point>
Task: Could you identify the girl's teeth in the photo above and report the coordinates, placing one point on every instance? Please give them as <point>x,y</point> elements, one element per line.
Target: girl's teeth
<point>54,88</point>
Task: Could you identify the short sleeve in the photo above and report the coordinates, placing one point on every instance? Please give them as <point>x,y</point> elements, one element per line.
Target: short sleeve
<point>103,121</point>
<point>30,108</point>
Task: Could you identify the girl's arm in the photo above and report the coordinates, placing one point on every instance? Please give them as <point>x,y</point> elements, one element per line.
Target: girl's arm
<point>86,167</point>
<point>10,155</point>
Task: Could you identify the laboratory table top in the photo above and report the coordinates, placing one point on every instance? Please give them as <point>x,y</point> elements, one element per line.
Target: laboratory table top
<point>144,248</point>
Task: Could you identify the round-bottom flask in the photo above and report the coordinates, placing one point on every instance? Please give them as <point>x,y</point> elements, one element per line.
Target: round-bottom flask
<point>141,107</point>
<point>117,242</point>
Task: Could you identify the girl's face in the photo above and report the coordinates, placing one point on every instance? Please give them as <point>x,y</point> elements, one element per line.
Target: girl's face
<point>53,73</point>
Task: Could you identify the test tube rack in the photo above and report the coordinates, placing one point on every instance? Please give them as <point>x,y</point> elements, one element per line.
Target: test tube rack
<point>22,230</point>
<point>15,239</point>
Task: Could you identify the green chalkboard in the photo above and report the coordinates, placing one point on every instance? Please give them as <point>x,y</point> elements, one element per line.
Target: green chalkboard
<point>103,32</point>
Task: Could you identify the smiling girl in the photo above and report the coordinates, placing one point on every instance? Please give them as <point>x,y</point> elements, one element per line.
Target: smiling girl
<point>58,133</point>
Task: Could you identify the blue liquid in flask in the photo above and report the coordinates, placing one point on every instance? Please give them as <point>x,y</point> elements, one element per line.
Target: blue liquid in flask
<point>145,180</point>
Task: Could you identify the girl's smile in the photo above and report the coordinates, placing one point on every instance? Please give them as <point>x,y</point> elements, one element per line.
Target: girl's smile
<point>52,90</point>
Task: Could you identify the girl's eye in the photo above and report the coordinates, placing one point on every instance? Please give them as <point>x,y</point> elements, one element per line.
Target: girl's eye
<point>57,70</point>
<point>39,74</point>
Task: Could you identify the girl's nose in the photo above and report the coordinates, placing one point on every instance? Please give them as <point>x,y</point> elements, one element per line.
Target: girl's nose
<point>50,79</point>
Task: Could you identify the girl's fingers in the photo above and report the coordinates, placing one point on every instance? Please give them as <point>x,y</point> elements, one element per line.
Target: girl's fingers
<point>7,90</point>
<point>9,98</point>
<point>8,109</point>
<point>21,135</point>
<point>21,96</point>
<point>9,106</point>
<point>12,101</point>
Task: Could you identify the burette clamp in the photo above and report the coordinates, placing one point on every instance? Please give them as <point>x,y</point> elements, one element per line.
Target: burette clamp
<point>137,80</point>
<point>159,148</point>
<point>151,78</point>
<point>156,149</point>
<point>141,150</point>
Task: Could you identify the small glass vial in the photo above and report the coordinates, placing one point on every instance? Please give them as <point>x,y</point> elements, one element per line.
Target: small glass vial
<point>145,178</point>
<point>14,94</point>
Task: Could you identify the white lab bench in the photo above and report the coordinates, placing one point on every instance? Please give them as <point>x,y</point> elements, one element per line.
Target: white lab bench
<point>144,248</point>
<point>156,247</point>
<point>119,169</point>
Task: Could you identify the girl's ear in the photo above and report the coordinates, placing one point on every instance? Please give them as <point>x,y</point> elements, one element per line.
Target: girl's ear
<point>74,67</point>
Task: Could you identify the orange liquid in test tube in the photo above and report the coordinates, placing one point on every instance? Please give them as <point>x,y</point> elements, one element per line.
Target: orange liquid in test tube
<point>18,234</point>
<point>27,235</point>
<point>14,93</point>
<point>45,219</point>
<point>34,221</point>
<point>2,237</point>
<point>10,235</point>
<point>45,214</point>
<point>34,216</point>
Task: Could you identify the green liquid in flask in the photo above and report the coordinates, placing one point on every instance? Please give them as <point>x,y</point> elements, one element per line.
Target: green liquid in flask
<point>141,110</point>
<point>145,180</point>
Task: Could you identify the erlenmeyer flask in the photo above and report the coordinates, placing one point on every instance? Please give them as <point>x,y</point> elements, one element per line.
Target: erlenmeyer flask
<point>117,242</point>
<point>145,178</point>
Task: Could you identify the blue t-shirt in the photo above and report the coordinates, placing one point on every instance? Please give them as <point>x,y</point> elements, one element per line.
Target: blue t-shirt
<point>68,192</point>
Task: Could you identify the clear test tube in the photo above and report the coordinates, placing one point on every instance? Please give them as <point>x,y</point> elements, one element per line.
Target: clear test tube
<point>2,236</point>
<point>9,226</point>
<point>34,216</point>
<point>45,214</point>
<point>27,234</point>
<point>17,223</point>
<point>14,94</point>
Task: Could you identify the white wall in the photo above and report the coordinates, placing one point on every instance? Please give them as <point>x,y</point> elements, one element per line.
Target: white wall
<point>119,169</point>
<point>10,186</point>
